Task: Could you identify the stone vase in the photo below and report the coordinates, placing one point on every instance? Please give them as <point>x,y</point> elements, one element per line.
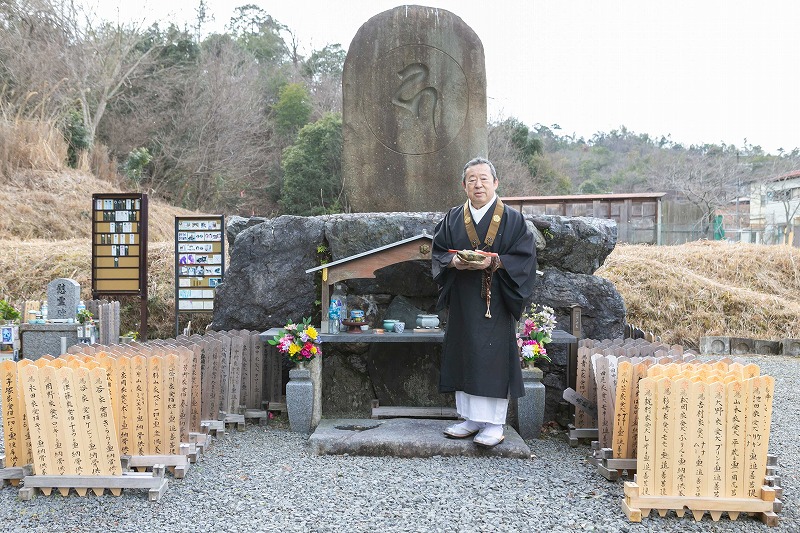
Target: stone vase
<point>530,408</point>
<point>300,399</point>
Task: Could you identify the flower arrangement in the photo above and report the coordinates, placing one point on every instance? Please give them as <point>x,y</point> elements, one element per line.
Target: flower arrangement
<point>299,341</point>
<point>84,316</point>
<point>536,326</point>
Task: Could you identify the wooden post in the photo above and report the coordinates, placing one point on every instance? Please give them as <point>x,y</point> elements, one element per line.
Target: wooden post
<point>683,427</point>
<point>16,438</point>
<point>197,384</point>
<point>760,390</point>
<point>55,425</point>
<point>244,372</point>
<point>141,428</point>
<point>605,410</point>
<point>109,448</point>
<point>172,411</point>
<point>622,410</point>
<point>155,405</point>
<point>256,371</point>
<point>664,437</point>
<point>235,376</point>
<point>89,425</point>
<point>646,451</point>
<point>717,436</point>
<point>126,402</point>
<point>78,462</point>
<point>701,454</point>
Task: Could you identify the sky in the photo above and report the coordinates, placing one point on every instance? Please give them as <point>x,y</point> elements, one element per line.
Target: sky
<point>701,71</point>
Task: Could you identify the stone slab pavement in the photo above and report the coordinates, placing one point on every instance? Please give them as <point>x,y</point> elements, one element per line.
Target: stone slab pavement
<point>405,437</point>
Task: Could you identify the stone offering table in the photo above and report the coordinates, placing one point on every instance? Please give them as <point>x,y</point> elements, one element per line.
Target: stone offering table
<point>531,406</point>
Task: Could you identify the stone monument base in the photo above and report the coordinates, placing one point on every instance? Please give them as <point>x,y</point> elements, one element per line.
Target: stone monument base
<point>405,437</point>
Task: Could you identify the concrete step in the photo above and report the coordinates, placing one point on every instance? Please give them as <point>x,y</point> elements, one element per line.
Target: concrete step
<point>405,437</point>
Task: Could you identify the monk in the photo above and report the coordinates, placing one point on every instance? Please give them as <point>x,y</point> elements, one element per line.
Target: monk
<point>485,293</point>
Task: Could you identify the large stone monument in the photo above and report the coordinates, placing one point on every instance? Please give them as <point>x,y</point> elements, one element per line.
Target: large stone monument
<point>414,110</point>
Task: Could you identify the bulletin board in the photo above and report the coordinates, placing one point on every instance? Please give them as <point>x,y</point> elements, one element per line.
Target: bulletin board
<point>119,244</point>
<point>199,262</point>
<point>119,249</point>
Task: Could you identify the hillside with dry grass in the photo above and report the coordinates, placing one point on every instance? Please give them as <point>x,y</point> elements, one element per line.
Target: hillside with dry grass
<point>679,292</point>
<point>709,288</point>
<point>45,233</point>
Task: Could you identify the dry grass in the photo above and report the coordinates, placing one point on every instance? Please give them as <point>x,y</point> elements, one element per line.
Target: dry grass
<point>45,233</point>
<point>57,206</point>
<point>30,144</point>
<point>709,288</point>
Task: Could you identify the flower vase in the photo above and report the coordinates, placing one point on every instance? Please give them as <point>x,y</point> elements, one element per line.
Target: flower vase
<point>300,399</point>
<point>530,408</point>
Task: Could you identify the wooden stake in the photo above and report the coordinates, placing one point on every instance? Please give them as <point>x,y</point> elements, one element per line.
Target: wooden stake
<point>646,451</point>
<point>699,439</point>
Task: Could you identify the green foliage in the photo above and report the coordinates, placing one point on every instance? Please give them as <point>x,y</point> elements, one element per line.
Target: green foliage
<point>83,316</point>
<point>549,178</point>
<point>175,47</point>
<point>7,312</point>
<point>135,163</point>
<point>525,145</point>
<point>329,60</point>
<point>77,136</point>
<point>594,186</point>
<point>259,33</point>
<point>312,173</point>
<point>293,109</point>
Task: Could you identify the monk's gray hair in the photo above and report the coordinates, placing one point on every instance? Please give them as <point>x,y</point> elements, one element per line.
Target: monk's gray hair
<point>478,161</point>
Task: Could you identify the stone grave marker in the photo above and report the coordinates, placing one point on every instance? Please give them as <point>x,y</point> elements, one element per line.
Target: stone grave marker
<point>414,110</point>
<point>63,295</point>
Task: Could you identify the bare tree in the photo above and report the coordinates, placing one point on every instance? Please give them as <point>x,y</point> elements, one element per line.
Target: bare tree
<point>77,57</point>
<point>707,177</point>
<point>213,148</point>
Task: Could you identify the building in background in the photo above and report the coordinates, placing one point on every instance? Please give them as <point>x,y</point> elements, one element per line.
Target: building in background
<point>775,210</point>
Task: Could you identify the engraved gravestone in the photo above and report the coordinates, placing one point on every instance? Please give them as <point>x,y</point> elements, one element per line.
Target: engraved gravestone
<point>414,110</point>
<point>63,295</point>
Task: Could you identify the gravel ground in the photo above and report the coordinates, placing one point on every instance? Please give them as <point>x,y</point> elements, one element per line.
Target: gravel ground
<point>264,479</point>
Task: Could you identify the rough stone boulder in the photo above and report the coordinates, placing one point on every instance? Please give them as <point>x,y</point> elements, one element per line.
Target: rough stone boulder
<point>575,244</point>
<point>266,284</point>
<point>236,224</point>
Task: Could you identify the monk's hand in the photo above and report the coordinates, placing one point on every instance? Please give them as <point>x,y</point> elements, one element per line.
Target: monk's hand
<point>459,264</point>
<point>469,260</point>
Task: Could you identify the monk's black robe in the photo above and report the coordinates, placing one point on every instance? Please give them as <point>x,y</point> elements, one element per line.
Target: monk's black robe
<point>480,355</point>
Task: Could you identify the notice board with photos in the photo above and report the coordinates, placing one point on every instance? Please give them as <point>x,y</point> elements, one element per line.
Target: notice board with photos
<point>199,261</point>
<point>119,244</point>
